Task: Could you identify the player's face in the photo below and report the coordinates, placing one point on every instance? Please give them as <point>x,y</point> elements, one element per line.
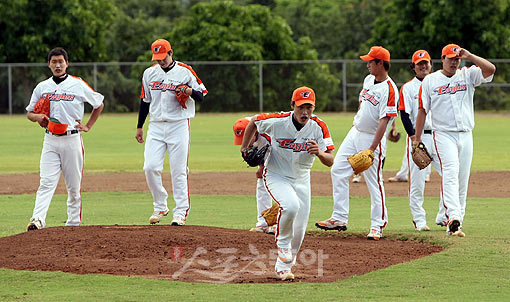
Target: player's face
<point>166,62</point>
<point>375,68</point>
<point>422,69</point>
<point>303,113</point>
<point>450,65</point>
<point>58,65</point>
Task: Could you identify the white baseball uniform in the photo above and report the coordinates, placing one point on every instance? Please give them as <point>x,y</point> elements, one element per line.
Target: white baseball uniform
<point>449,102</point>
<point>377,100</point>
<point>264,200</point>
<point>169,131</point>
<point>408,101</point>
<point>63,153</point>
<point>287,174</point>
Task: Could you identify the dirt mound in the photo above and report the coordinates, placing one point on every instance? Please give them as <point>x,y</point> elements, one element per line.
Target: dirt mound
<point>199,253</point>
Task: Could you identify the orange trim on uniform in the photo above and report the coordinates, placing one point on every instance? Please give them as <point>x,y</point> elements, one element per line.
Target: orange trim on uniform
<point>391,98</point>
<point>420,101</point>
<point>265,116</point>
<point>325,130</point>
<point>279,211</point>
<point>78,78</point>
<point>142,95</point>
<point>401,103</point>
<point>195,74</point>
<point>267,137</point>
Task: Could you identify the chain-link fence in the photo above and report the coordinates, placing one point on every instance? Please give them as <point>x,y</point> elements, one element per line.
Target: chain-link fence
<point>237,85</point>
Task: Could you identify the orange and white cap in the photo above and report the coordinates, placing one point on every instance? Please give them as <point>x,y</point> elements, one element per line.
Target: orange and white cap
<point>239,128</point>
<point>421,55</point>
<point>303,95</point>
<point>377,52</point>
<point>160,48</point>
<point>450,51</point>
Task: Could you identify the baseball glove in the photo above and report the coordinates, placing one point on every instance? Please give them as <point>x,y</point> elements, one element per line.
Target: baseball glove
<point>394,135</point>
<point>43,107</point>
<point>361,160</point>
<point>182,97</point>
<point>254,156</point>
<point>271,214</point>
<point>421,156</point>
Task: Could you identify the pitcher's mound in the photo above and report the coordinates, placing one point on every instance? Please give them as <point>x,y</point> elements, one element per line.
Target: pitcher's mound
<point>199,253</point>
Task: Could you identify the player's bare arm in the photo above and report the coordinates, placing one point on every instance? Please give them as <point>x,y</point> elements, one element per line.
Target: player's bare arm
<point>487,67</point>
<point>381,129</point>
<point>92,120</point>
<point>420,123</point>
<point>249,134</point>
<point>37,117</point>
<point>326,157</point>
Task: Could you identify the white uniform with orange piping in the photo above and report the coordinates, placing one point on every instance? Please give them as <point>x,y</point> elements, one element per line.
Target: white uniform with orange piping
<point>449,102</point>
<point>63,153</point>
<point>377,100</point>
<point>169,131</point>
<point>287,174</point>
<point>408,101</point>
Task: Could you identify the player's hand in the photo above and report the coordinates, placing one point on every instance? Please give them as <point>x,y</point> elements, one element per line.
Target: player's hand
<point>415,143</point>
<point>139,135</point>
<point>81,127</point>
<point>260,171</point>
<point>312,148</point>
<point>42,119</point>
<point>464,54</point>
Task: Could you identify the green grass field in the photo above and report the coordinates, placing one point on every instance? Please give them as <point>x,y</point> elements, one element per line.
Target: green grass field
<point>474,268</point>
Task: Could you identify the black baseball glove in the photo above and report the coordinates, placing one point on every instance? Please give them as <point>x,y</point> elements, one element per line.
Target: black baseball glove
<point>254,156</point>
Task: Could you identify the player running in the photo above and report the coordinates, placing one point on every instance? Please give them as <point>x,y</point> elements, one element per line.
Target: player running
<point>296,138</point>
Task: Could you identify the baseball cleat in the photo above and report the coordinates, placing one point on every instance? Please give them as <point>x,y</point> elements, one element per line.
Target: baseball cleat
<point>178,221</point>
<point>261,229</point>
<point>397,179</point>
<point>356,178</point>
<point>285,255</point>
<point>285,275</point>
<point>374,234</point>
<point>441,223</point>
<point>454,228</point>
<point>157,215</point>
<point>423,228</point>
<point>331,224</point>
<point>34,224</point>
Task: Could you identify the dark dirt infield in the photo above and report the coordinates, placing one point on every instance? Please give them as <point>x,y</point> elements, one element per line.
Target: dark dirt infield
<point>199,253</point>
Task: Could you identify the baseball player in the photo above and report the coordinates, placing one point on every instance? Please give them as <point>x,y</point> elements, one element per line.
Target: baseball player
<point>296,138</point>
<point>163,85</point>
<point>264,200</point>
<point>62,151</point>
<point>408,107</point>
<point>447,95</point>
<point>378,107</point>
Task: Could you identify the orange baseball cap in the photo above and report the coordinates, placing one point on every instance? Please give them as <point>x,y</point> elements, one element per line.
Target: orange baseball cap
<point>239,127</point>
<point>160,48</point>
<point>450,50</point>
<point>303,95</point>
<point>421,55</point>
<point>377,52</point>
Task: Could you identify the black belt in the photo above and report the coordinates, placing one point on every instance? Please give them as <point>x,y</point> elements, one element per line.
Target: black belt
<point>63,134</point>
<point>427,131</point>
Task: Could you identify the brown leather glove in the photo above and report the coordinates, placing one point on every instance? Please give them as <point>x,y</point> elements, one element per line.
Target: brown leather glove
<point>421,156</point>
<point>361,160</point>
<point>271,214</point>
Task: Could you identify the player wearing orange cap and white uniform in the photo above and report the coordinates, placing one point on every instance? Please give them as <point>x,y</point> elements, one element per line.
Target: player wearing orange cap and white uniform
<point>296,138</point>
<point>264,200</point>
<point>378,108</point>
<point>62,152</point>
<point>447,95</point>
<point>408,107</point>
<point>169,129</point>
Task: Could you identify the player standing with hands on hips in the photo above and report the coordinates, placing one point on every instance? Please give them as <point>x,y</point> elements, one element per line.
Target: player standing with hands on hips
<point>169,92</point>
<point>63,97</point>
<point>447,95</point>
<point>296,138</point>
<point>378,107</point>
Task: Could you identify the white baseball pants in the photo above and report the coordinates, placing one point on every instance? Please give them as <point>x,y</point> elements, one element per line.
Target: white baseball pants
<point>341,171</point>
<point>264,202</point>
<point>60,154</point>
<point>455,153</point>
<point>174,138</point>
<point>293,196</point>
